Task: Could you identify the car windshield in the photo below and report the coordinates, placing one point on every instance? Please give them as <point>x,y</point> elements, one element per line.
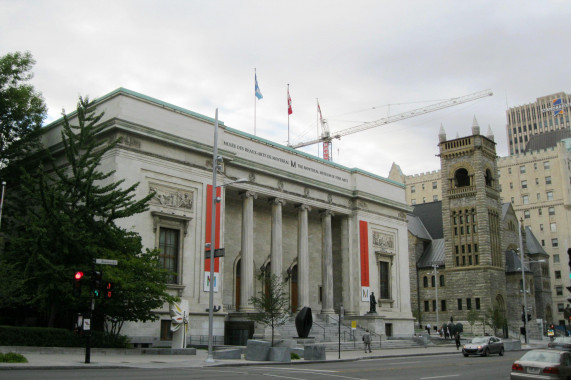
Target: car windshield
<point>480,340</point>
<point>541,356</point>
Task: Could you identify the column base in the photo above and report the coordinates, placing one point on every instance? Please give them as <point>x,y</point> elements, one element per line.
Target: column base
<point>327,311</point>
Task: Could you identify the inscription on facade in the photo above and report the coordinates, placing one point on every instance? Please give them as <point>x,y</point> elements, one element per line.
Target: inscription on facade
<point>166,196</point>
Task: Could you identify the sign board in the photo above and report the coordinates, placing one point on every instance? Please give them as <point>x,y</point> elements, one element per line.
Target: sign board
<point>220,252</point>
<point>105,262</point>
<point>354,325</point>
<point>86,324</point>
<point>207,281</point>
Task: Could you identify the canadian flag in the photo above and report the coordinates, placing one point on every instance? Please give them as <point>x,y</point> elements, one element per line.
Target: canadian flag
<point>289,109</point>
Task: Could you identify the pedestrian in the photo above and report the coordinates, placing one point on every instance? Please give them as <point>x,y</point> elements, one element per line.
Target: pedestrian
<point>457,339</point>
<point>428,328</point>
<point>367,340</point>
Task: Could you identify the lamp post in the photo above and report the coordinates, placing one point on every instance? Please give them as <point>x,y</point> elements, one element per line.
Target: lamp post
<point>216,164</point>
<point>435,266</point>
<point>521,258</point>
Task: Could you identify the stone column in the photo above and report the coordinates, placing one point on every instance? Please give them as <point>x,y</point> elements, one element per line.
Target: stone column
<point>247,262</point>
<point>303,256</point>
<point>327,263</point>
<point>276,252</point>
<point>349,265</point>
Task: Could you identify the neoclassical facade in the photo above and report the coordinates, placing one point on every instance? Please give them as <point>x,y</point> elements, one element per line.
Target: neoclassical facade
<point>333,234</point>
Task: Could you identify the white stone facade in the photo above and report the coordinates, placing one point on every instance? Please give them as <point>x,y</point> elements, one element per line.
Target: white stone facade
<point>299,216</point>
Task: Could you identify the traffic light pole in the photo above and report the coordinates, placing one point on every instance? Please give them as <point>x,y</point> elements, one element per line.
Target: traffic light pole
<point>89,315</point>
<point>522,260</point>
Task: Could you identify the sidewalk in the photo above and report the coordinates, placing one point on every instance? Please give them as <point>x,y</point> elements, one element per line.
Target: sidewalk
<point>57,358</point>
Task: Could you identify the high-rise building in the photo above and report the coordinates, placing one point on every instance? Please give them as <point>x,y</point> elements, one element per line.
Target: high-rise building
<point>547,114</point>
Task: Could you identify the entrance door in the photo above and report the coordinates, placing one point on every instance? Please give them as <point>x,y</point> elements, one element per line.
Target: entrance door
<point>293,300</point>
<point>238,277</point>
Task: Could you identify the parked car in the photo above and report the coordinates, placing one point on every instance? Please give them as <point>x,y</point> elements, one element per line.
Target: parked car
<point>484,346</point>
<point>542,364</point>
<point>561,343</point>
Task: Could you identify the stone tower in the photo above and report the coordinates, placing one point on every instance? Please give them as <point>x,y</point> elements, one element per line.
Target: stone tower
<point>471,215</point>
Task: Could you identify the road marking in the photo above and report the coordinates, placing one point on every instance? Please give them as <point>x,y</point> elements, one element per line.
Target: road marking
<point>294,369</point>
<point>217,370</point>
<point>438,377</point>
<point>283,377</point>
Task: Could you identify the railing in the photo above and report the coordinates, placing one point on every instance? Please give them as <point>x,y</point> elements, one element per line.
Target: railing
<point>317,324</point>
<point>203,340</point>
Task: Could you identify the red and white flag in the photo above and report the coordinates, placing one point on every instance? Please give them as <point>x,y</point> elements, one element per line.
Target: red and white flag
<point>319,110</point>
<point>289,109</point>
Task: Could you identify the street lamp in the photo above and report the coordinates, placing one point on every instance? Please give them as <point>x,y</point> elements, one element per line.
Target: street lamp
<point>521,257</point>
<point>435,266</point>
<point>216,164</point>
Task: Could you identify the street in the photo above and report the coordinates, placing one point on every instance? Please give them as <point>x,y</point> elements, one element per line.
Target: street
<point>447,366</point>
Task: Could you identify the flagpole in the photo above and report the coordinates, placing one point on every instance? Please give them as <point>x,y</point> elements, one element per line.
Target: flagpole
<point>255,101</point>
<point>288,97</point>
<point>317,123</point>
<point>2,200</point>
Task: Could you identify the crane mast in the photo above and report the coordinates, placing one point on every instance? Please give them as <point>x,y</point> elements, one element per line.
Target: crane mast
<point>327,137</point>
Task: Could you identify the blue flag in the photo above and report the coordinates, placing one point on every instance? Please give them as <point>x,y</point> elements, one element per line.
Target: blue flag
<point>257,89</point>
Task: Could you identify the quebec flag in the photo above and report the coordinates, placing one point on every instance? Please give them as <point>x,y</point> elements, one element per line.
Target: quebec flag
<point>257,88</point>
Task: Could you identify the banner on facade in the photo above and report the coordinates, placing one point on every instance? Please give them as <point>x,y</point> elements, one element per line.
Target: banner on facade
<point>207,281</point>
<point>365,291</point>
<point>364,251</point>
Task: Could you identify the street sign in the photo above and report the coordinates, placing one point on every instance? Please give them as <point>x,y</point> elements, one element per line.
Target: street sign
<point>220,252</point>
<point>105,262</point>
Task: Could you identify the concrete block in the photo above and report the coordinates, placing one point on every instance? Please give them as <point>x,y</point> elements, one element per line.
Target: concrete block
<point>313,352</point>
<point>298,351</point>
<point>512,345</point>
<point>228,354</point>
<point>258,350</point>
<point>280,354</point>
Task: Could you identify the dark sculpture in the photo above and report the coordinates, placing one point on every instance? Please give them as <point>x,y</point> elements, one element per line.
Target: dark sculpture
<point>303,322</point>
<point>372,303</point>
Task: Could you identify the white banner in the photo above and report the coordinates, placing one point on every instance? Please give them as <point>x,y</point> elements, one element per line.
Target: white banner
<point>207,281</point>
<point>365,293</point>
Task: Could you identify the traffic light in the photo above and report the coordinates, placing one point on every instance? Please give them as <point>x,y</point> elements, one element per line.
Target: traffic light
<point>569,255</point>
<point>77,283</point>
<point>108,289</point>
<point>96,283</point>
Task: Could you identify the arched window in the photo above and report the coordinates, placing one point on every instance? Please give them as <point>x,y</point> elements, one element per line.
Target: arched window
<point>461,178</point>
<point>425,281</point>
<point>488,178</point>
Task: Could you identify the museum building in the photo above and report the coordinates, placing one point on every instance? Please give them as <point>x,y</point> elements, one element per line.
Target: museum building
<point>332,233</point>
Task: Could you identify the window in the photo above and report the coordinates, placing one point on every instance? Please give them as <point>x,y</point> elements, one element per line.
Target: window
<point>513,200</point>
<point>555,258</point>
<point>541,227</point>
<point>433,305</point>
<point>435,198</point>
<point>412,189</point>
<point>542,243</point>
<point>553,227</point>
<point>433,282</point>
<point>413,202</point>
<point>548,180</point>
<point>443,305</point>
<point>524,184</point>
<point>425,282</point>
<point>426,308</point>
<point>168,245</point>
<point>539,211</point>
<point>459,303</point>
<point>557,274</point>
<point>423,199</point>
<point>526,214</point>
<point>537,181</point>
<point>554,242</point>
<point>560,308</point>
<point>477,304</point>
<point>525,199</point>
<point>538,196</point>
<point>550,195</point>
<point>441,280</point>
<point>559,290</point>
<point>511,185</point>
<point>551,210</point>
<point>535,165</point>
<point>468,304</point>
<point>434,185</point>
<point>522,169</point>
<point>385,279</point>
<point>461,178</point>
<point>509,170</point>
<point>546,165</point>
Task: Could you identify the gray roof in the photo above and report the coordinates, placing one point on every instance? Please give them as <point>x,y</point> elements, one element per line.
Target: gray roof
<point>505,208</point>
<point>532,245</point>
<point>513,263</point>
<point>416,227</point>
<point>433,254</point>
<point>431,216</point>
<point>546,140</point>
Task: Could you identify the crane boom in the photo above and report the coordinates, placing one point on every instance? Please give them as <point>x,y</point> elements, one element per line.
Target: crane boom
<point>401,116</point>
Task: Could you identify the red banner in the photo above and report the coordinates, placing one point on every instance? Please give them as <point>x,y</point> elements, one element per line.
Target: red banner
<point>364,243</point>
<point>208,228</point>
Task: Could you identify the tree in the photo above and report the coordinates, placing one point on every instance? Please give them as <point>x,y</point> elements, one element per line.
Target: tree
<point>271,303</point>
<point>66,219</point>
<point>495,319</point>
<point>472,318</point>
<point>22,109</point>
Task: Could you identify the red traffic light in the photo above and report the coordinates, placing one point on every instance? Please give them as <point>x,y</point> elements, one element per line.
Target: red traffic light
<point>78,275</point>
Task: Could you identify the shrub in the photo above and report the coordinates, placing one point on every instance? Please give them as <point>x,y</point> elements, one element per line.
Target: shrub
<point>11,357</point>
<point>294,356</point>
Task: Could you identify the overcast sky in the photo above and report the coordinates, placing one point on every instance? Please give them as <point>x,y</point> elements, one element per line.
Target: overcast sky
<point>357,57</point>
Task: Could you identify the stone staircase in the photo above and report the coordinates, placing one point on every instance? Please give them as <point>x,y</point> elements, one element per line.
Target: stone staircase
<point>327,332</point>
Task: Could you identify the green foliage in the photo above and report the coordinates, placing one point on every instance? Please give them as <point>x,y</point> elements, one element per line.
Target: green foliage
<point>51,337</point>
<point>22,110</point>
<point>271,303</point>
<point>12,357</point>
<point>294,356</point>
<point>495,319</point>
<point>66,218</point>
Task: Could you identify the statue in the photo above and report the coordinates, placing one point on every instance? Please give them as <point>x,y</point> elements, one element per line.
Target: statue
<point>303,322</point>
<point>372,303</point>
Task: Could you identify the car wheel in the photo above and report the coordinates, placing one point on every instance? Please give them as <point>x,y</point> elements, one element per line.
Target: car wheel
<point>486,352</point>
<point>465,355</point>
<point>502,351</point>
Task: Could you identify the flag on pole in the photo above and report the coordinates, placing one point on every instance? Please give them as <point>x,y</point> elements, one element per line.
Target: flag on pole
<point>257,88</point>
<point>289,109</point>
<point>319,110</point>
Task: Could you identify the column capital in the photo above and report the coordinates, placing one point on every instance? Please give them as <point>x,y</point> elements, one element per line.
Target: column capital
<point>277,201</point>
<point>249,194</point>
<point>325,213</point>
<point>303,207</point>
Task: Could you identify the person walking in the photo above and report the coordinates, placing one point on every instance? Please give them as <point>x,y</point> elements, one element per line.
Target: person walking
<point>367,340</point>
<point>457,339</point>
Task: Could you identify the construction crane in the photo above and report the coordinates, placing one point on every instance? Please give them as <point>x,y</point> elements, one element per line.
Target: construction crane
<point>327,137</point>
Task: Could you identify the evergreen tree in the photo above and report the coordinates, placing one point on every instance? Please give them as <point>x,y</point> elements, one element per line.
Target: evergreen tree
<point>68,209</point>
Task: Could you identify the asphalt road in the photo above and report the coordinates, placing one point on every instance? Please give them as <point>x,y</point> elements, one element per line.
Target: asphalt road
<point>452,366</point>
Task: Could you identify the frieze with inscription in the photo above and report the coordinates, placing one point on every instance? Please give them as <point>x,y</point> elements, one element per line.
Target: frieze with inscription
<point>166,196</point>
